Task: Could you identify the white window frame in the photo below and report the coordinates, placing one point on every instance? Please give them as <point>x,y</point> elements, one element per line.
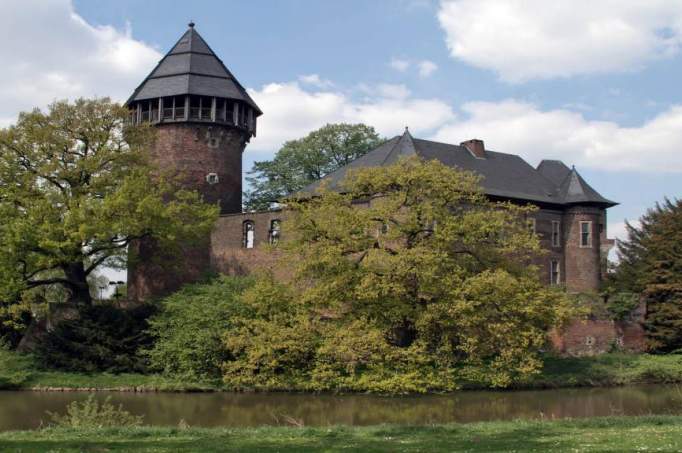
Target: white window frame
<point>275,231</point>
<point>551,272</point>
<point>248,234</point>
<point>589,236</point>
<point>556,233</point>
<point>212,178</point>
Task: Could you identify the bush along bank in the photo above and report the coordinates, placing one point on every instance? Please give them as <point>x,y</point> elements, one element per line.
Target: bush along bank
<point>20,372</point>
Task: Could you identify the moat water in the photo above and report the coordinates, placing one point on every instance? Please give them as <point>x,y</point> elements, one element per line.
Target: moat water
<point>27,410</point>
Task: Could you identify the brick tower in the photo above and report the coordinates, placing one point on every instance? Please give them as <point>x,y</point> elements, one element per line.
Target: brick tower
<point>204,119</point>
<point>586,245</point>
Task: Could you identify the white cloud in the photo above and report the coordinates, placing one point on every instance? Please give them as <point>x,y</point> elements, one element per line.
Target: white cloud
<point>292,111</point>
<point>518,127</point>
<point>49,52</point>
<point>399,64</point>
<point>426,68</point>
<point>316,81</point>
<point>618,230</point>
<point>392,91</point>
<point>529,39</point>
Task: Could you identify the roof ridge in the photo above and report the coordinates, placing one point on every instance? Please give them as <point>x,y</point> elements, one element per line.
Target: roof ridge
<point>406,136</point>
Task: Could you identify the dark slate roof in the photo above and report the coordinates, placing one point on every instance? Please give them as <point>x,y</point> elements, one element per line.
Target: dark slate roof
<point>191,67</point>
<point>574,189</point>
<point>554,170</point>
<point>504,175</point>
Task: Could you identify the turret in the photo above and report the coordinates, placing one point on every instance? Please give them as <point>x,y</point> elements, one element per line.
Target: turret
<point>204,118</point>
<point>585,226</point>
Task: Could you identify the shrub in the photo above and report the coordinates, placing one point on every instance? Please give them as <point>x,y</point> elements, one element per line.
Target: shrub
<point>189,327</point>
<point>102,338</point>
<point>90,414</point>
<point>622,304</point>
<point>14,320</point>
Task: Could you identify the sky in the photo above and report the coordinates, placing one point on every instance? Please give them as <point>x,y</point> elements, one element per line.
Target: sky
<point>594,83</point>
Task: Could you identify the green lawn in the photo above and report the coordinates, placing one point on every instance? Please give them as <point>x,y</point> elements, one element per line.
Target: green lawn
<point>610,434</point>
<point>20,372</point>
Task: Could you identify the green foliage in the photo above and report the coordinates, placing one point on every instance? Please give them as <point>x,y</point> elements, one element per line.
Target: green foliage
<point>651,263</point>
<point>91,414</point>
<point>612,369</point>
<point>14,320</point>
<point>425,287</point>
<point>76,189</point>
<point>102,338</point>
<point>189,328</point>
<point>621,304</point>
<point>15,369</point>
<point>22,371</point>
<point>300,162</point>
<point>664,318</point>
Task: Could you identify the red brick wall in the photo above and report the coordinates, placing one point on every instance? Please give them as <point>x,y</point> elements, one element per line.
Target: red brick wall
<point>582,264</point>
<point>195,150</point>
<point>593,337</point>
<point>190,151</point>
<point>228,254</point>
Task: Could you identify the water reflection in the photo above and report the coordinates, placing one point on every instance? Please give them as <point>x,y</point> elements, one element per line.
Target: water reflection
<point>25,410</point>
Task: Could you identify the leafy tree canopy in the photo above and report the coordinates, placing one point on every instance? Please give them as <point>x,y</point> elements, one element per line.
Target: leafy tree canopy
<point>650,263</point>
<point>409,280</point>
<point>300,162</point>
<point>76,188</point>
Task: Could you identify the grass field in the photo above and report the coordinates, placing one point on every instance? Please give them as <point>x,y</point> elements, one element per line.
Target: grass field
<point>20,372</point>
<point>610,434</point>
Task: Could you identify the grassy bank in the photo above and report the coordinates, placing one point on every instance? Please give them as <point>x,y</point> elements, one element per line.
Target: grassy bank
<point>608,370</point>
<point>20,372</point>
<point>610,434</point>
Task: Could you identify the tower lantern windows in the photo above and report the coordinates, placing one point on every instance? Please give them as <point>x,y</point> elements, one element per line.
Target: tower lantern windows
<point>200,107</point>
<point>179,107</point>
<point>229,114</point>
<point>146,111</point>
<point>221,110</point>
<point>168,107</point>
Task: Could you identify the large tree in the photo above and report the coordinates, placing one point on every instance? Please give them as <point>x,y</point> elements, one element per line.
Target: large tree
<point>76,187</point>
<point>300,162</point>
<point>411,279</point>
<point>650,263</point>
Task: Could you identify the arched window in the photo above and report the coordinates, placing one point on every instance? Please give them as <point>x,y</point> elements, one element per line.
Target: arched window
<point>248,233</point>
<point>275,231</point>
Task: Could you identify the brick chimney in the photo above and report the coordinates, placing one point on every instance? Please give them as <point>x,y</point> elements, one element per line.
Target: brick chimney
<point>475,147</point>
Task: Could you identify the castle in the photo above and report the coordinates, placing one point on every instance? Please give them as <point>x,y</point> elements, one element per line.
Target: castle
<point>205,119</point>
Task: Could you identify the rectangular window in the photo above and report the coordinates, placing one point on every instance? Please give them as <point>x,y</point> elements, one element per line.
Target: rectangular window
<point>585,234</point>
<point>556,233</point>
<point>554,275</point>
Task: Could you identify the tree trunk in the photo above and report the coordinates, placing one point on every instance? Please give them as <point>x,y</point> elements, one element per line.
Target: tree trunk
<point>78,286</point>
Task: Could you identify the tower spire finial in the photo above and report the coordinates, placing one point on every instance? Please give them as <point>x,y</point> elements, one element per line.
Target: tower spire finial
<point>191,24</point>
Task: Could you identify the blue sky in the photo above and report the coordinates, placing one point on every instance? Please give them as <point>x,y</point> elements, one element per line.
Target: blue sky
<point>595,84</point>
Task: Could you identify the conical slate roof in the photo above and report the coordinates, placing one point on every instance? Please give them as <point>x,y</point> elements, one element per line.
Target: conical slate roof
<point>574,189</point>
<point>191,67</point>
<point>503,175</point>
